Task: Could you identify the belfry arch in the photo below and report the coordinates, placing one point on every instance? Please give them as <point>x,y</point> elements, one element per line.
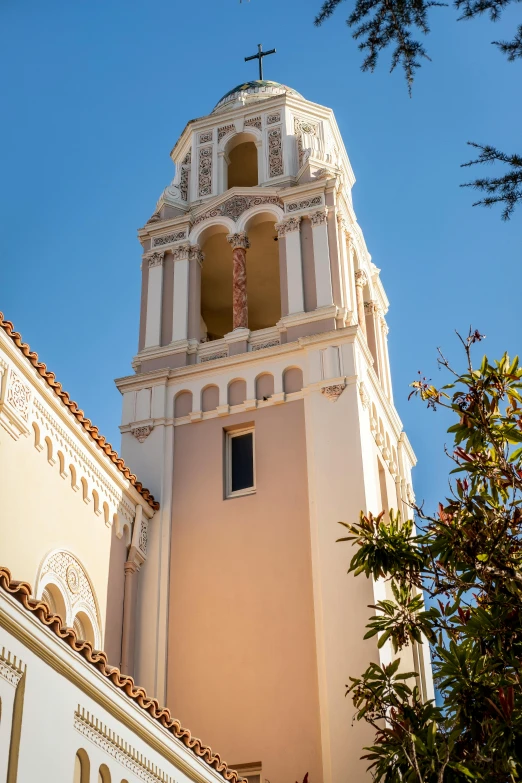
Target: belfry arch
<point>263,274</point>
<point>241,161</point>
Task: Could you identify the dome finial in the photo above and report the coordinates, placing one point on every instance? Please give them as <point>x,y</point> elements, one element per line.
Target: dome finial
<point>259,56</point>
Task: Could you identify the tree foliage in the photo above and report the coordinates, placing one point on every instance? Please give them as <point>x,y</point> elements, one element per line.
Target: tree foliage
<point>379,24</point>
<point>468,558</point>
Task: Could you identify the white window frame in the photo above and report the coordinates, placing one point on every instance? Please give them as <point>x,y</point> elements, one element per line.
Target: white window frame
<point>230,435</point>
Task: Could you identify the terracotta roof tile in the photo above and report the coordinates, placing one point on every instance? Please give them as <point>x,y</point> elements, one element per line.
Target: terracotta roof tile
<point>104,445</point>
<point>22,591</point>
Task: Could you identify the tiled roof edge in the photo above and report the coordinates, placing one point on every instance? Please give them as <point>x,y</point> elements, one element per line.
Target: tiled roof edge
<point>100,440</point>
<point>22,592</point>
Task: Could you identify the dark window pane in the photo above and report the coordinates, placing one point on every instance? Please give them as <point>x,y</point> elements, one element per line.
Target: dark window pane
<point>242,461</point>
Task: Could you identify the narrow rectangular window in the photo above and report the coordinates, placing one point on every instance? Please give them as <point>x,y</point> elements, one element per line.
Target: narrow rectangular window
<point>240,478</point>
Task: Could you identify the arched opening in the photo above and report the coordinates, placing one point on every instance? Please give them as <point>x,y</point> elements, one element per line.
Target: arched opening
<point>54,599</point>
<point>263,286</point>
<point>104,776</point>
<point>82,767</point>
<point>241,155</point>
<point>216,285</point>
<point>83,626</point>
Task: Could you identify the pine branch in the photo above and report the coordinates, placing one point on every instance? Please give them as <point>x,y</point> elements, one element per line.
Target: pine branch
<point>382,23</point>
<point>471,8</point>
<point>513,49</point>
<point>505,189</point>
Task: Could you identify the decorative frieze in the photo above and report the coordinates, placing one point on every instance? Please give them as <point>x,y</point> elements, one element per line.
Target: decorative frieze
<point>287,226</point>
<point>275,153</point>
<point>271,119</point>
<point>319,218</point>
<point>307,203</point>
<point>235,206</point>
<point>253,122</point>
<point>167,239</point>
<point>11,668</point>
<point>332,393</point>
<point>268,344</point>
<point>187,159</point>
<point>156,258</point>
<point>142,433</point>
<point>19,395</point>
<point>225,130</point>
<point>211,356</point>
<point>204,137</point>
<point>205,171</point>
<point>120,750</point>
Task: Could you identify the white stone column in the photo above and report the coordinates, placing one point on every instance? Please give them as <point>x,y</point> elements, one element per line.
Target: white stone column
<point>289,230</point>
<point>181,293</point>
<point>323,275</point>
<point>347,274</point>
<point>386,356</point>
<point>154,297</point>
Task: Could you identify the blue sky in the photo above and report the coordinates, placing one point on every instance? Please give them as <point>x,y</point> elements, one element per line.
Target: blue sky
<point>95,95</point>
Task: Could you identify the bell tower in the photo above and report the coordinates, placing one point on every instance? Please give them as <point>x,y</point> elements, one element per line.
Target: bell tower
<point>260,414</point>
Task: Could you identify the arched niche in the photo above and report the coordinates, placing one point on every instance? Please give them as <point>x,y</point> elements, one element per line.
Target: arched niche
<point>210,398</point>
<point>84,628</point>
<point>104,776</point>
<point>292,380</point>
<point>53,597</point>
<point>182,404</point>
<point>264,386</point>
<point>237,392</point>
<point>241,161</point>
<point>82,767</point>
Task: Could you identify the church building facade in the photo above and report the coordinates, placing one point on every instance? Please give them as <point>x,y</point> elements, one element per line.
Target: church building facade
<point>259,414</point>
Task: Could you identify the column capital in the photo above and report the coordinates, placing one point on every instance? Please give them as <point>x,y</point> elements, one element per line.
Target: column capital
<point>319,217</point>
<point>343,225</point>
<point>181,252</point>
<point>372,307</point>
<point>131,567</point>
<point>288,225</point>
<point>239,239</point>
<point>195,254</point>
<point>361,278</point>
<point>156,258</point>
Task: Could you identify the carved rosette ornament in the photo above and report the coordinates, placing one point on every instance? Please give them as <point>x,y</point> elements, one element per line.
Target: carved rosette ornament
<point>315,201</point>
<point>141,433</point>
<point>156,259</point>
<point>287,226</point>
<point>240,244</point>
<point>320,217</point>
<point>332,393</point>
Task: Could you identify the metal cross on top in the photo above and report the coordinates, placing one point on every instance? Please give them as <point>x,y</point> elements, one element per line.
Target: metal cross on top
<point>259,56</point>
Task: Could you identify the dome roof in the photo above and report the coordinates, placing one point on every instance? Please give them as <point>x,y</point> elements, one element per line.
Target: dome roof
<point>248,92</point>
